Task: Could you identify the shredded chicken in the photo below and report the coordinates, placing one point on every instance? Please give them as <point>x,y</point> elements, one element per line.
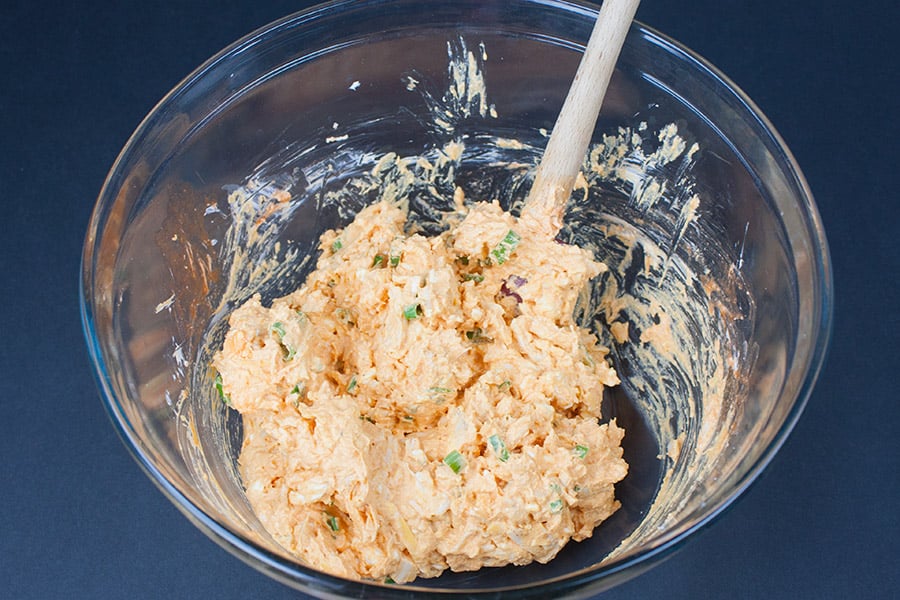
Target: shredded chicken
<point>425,403</point>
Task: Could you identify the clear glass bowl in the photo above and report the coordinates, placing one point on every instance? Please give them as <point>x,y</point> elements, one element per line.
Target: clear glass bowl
<point>746,281</point>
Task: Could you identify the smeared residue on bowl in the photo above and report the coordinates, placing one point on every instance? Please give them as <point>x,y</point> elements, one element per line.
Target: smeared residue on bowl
<point>673,306</point>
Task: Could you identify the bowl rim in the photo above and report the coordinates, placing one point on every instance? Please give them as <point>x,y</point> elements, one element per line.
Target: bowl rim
<point>311,580</point>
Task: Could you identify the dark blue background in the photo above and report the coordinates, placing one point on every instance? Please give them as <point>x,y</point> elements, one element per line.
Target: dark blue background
<point>79,519</point>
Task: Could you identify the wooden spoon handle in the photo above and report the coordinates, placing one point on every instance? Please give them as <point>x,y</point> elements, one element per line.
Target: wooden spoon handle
<point>572,132</point>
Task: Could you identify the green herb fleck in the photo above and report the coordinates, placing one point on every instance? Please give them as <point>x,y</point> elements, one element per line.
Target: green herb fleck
<point>504,387</point>
<point>352,385</point>
<point>299,390</point>
<point>332,522</point>
<point>337,245</point>
<point>278,329</point>
<point>499,447</point>
<point>394,260</point>
<point>225,398</point>
<point>413,311</point>
<point>476,277</point>
<point>556,506</point>
<point>454,460</point>
<point>439,394</point>
<point>389,579</point>
<point>580,451</point>
<point>506,247</point>
<point>378,261</point>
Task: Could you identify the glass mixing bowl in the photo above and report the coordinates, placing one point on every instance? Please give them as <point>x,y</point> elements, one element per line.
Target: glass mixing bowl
<point>720,248</point>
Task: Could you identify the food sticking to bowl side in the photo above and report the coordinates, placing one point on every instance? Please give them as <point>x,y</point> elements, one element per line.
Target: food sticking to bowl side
<point>324,326</point>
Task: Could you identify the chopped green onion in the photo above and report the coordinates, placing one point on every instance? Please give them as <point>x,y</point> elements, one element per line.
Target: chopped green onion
<point>332,522</point>
<point>504,387</point>
<point>278,329</point>
<point>378,261</point>
<point>389,579</point>
<point>395,260</point>
<point>439,395</point>
<point>580,451</point>
<point>454,460</point>
<point>226,399</point>
<point>352,385</point>
<point>499,447</point>
<point>506,247</point>
<point>476,277</point>
<point>299,388</point>
<point>556,506</point>
<point>413,311</point>
<point>337,245</point>
<point>463,259</point>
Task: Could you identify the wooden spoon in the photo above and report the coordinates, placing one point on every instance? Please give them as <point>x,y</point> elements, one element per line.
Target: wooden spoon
<point>572,132</point>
